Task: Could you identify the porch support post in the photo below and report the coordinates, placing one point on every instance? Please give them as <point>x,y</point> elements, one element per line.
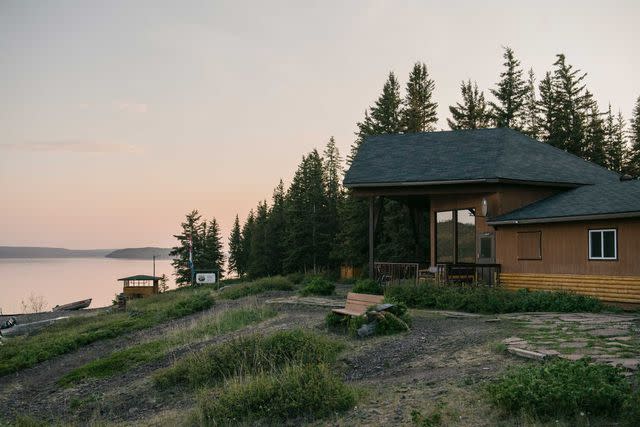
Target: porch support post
<point>371,233</point>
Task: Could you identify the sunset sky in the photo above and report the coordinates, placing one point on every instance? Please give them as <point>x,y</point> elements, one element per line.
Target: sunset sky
<point>118,117</point>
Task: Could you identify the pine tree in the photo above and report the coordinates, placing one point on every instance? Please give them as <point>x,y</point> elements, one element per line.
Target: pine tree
<point>633,166</point>
<point>615,141</point>
<point>245,245</point>
<point>530,111</point>
<point>258,262</point>
<point>332,177</point>
<point>419,113</point>
<point>396,238</point>
<point>275,245</point>
<point>595,143</point>
<point>569,106</point>
<point>235,247</point>
<point>191,228</point>
<point>473,113</point>
<point>510,93</point>
<point>212,255</point>
<point>385,115</point>
<point>547,106</point>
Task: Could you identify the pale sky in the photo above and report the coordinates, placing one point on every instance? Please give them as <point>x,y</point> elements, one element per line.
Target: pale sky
<point>118,117</point>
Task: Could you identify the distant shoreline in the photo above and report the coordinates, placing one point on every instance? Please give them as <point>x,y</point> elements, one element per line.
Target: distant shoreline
<point>32,252</point>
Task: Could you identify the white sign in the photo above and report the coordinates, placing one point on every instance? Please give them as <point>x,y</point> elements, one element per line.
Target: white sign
<point>205,278</point>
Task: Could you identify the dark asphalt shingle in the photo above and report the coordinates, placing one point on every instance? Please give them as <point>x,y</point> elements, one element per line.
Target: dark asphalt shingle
<point>483,154</point>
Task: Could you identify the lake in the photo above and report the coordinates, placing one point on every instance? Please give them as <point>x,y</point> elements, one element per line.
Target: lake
<point>59,281</point>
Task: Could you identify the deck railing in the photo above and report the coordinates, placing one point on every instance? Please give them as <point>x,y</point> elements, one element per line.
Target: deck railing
<point>389,273</point>
<point>488,274</point>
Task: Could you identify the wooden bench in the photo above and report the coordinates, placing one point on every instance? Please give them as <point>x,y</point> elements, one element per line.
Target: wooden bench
<point>357,304</point>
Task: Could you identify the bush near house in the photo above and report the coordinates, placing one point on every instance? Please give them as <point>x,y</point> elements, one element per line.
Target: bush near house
<point>561,389</point>
<point>479,299</point>
<point>275,283</point>
<point>367,286</point>
<point>318,286</point>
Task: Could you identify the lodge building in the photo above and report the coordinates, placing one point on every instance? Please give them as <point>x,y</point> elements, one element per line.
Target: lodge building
<point>511,209</point>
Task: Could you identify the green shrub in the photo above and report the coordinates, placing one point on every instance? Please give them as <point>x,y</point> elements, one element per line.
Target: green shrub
<point>481,299</point>
<point>388,323</point>
<point>297,392</point>
<point>367,286</point>
<point>295,278</point>
<point>335,321</point>
<point>318,286</point>
<point>275,283</point>
<point>70,334</point>
<point>248,355</point>
<point>561,389</point>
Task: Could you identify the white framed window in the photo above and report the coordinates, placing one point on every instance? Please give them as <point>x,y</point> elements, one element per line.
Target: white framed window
<point>603,244</point>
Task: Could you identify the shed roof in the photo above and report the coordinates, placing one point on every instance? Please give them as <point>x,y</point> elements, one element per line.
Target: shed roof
<point>141,277</point>
<point>609,200</point>
<point>461,156</point>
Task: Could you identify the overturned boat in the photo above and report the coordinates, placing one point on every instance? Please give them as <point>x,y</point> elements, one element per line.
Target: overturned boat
<point>77,305</point>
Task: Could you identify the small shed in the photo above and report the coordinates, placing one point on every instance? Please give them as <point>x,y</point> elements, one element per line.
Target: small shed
<point>140,286</point>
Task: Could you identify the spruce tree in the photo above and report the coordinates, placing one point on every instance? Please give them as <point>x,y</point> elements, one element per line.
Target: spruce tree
<point>275,245</point>
<point>634,134</point>
<point>235,247</point>
<point>547,107</point>
<point>212,255</point>
<point>595,143</point>
<point>258,263</point>
<point>473,113</point>
<point>332,177</point>
<point>419,113</point>
<point>510,93</point>
<point>615,141</point>
<point>385,114</point>
<point>530,110</point>
<point>245,245</point>
<point>191,231</point>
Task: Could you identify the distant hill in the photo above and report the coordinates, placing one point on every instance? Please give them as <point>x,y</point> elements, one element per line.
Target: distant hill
<point>39,252</point>
<point>140,253</point>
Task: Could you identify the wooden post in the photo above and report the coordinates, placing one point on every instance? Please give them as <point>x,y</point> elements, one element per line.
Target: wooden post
<point>371,233</point>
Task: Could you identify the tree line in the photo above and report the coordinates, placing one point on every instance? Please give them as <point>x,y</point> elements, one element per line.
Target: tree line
<point>317,225</point>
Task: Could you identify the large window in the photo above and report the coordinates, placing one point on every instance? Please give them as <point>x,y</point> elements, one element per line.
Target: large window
<point>456,236</point>
<point>603,244</point>
<point>444,236</point>
<point>466,235</point>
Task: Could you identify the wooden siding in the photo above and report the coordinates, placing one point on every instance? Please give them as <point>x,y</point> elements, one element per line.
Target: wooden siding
<point>139,291</point>
<point>619,289</point>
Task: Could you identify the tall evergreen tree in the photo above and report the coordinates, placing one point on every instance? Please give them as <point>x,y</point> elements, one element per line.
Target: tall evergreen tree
<point>258,262</point>
<point>615,141</point>
<point>530,116</point>
<point>510,93</point>
<point>569,106</point>
<point>419,113</point>
<point>385,114</point>
<point>235,247</point>
<point>547,106</point>
<point>333,176</point>
<point>191,228</point>
<point>245,245</point>
<point>276,232</point>
<point>473,113</point>
<point>595,143</point>
<point>634,135</point>
<point>212,257</point>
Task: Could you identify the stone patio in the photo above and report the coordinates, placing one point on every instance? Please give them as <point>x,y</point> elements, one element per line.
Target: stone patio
<point>605,338</point>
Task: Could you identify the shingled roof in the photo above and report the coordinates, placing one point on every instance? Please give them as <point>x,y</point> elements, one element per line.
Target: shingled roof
<point>616,199</point>
<point>463,156</point>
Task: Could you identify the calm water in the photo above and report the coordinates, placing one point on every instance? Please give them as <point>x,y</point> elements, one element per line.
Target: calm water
<point>60,281</point>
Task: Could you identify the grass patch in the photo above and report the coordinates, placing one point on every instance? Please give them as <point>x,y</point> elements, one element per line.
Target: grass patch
<point>70,334</point>
<point>248,355</point>
<point>275,283</point>
<point>295,393</point>
<point>318,286</point>
<point>561,389</point>
<point>367,286</point>
<point>124,360</point>
<point>480,299</point>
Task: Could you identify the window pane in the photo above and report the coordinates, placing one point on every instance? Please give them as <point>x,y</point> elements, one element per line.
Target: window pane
<point>444,236</point>
<point>609,244</point>
<point>466,236</point>
<point>596,244</point>
<point>485,247</point>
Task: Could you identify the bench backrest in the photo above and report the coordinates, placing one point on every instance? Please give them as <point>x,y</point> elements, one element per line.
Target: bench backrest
<point>360,302</point>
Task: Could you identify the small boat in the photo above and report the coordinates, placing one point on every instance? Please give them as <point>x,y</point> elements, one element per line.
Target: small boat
<point>73,305</point>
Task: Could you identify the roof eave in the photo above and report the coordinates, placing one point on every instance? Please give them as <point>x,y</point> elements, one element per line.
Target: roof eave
<point>592,217</point>
<point>463,181</point>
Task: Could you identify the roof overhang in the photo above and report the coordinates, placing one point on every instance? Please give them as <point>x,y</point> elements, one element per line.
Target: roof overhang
<point>463,181</point>
<point>593,217</point>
